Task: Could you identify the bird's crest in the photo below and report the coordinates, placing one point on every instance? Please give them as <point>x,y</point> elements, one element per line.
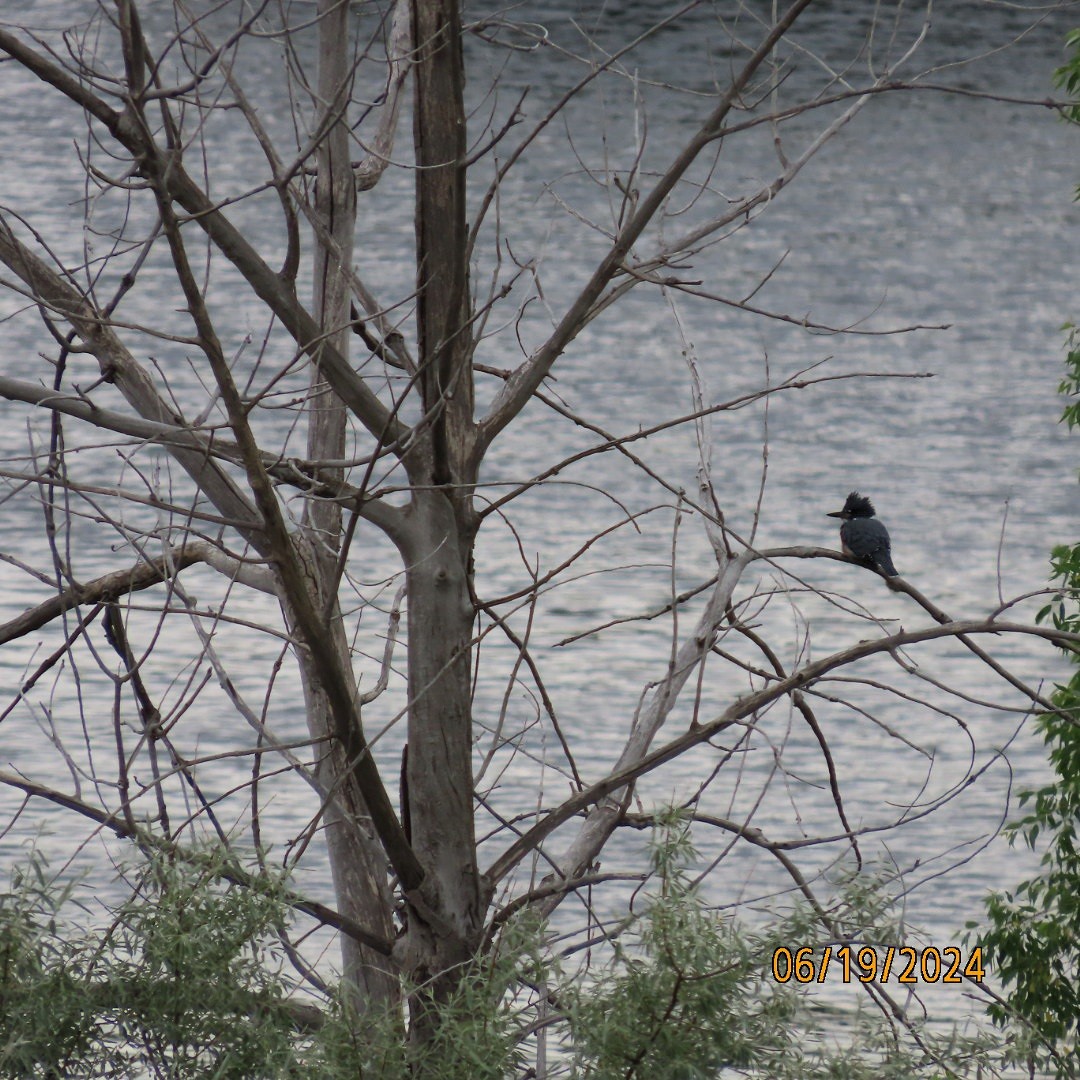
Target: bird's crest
<point>858,505</point>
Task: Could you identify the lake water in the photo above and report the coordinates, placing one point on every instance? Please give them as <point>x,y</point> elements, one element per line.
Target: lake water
<point>927,209</point>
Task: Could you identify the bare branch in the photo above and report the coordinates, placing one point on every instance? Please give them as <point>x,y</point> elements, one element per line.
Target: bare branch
<point>379,148</point>
<point>267,285</point>
<point>527,378</point>
<point>106,589</point>
<point>120,367</point>
<point>234,873</point>
<point>748,706</point>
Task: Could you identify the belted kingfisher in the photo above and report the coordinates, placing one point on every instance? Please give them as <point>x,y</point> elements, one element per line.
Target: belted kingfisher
<point>863,537</point>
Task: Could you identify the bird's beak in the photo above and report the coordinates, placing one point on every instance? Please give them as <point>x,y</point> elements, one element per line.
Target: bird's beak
<point>836,513</point>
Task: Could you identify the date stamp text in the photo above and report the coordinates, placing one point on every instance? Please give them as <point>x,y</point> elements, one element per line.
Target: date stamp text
<point>904,964</point>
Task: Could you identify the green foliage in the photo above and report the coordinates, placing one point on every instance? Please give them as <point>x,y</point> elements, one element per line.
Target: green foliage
<point>1070,388</point>
<point>685,995</point>
<point>186,980</point>
<point>1067,77</point>
<point>478,1033</point>
<point>689,995</point>
<point>180,984</point>
<point>42,1018</point>
<point>477,1037</point>
<point>1033,940</point>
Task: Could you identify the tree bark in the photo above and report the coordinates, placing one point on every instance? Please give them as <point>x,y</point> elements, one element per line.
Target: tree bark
<point>442,240</point>
<point>357,862</point>
<point>437,547</point>
<point>439,766</point>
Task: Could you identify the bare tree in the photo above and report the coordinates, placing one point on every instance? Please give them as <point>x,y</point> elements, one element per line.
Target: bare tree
<point>381,374</point>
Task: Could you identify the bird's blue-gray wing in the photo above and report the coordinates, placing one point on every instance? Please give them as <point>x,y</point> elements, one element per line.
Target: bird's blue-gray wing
<point>868,539</point>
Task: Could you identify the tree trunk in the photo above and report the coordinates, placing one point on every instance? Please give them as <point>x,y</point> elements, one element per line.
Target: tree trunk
<point>439,766</point>
<point>357,861</point>
<point>438,540</point>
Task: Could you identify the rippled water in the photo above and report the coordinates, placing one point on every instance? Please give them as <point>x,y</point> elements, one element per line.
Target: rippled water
<point>927,209</point>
